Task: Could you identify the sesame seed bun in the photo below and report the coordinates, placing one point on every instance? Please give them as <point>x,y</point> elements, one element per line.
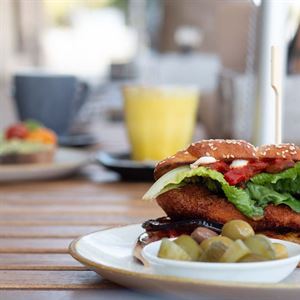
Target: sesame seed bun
<point>179,159</point>
<point>226,150</point>
<point>223,150</point>
<point>285,151</point>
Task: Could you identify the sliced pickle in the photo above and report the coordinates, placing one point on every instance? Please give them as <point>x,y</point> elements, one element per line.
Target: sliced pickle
<point>214,252</point>
<point>171,250</point>
<point>261,245</point>
<point>252,258</point>
<point>235,252</point>
<point>190,246</point>
<point>206,243</point>
<point>237,230</point>
<point>280,251</point>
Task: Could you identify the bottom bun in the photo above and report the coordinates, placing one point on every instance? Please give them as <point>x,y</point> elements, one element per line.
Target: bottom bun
<point>46,156</point>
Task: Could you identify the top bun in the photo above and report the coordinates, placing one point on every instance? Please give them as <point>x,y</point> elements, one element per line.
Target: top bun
<point>224,150</point>
<point>283,151</point>
<point>179,159</point>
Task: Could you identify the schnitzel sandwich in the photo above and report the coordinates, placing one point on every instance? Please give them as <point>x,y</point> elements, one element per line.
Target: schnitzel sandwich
<point>214,181</point>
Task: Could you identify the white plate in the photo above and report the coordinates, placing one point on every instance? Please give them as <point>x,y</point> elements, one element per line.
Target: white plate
<point>109,253</point>
<point>262,272</point>
<point>66,162</point>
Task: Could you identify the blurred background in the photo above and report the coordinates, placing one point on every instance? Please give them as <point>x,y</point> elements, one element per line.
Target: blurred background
<point>211,44</point>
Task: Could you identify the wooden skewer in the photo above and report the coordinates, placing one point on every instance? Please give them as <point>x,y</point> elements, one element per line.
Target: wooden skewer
<point>276,83</point>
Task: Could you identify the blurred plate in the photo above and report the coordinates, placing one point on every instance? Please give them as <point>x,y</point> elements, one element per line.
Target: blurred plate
<point>109,253</point>
<point>127,168</point>
<point>66,162</point>
<point>77,140</point>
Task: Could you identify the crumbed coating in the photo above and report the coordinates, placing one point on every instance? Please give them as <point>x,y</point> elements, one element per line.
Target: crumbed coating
<point>195,201</point>
<point>285,151</point>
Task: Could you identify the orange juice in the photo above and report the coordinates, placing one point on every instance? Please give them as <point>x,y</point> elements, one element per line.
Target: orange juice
<point>160,120</point>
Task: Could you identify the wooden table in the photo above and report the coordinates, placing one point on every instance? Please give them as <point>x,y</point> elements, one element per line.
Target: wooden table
<point>38,220</point>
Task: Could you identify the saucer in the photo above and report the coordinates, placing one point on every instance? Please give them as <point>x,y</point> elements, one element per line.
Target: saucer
<point>128,169</point>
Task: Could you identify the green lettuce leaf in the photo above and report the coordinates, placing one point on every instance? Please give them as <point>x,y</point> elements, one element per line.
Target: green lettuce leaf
<point>264,195</point>
<point>175,178</point>
<point>265,178</point>
<point>32,124</point>
<point>287,181</point>
<point>287,186</point>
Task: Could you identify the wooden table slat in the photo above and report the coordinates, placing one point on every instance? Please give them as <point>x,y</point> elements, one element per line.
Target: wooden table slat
<point>12,279</point>
<point>46,231</point>
<point>74,219</point>
<point>26,261</point>
<point>76,210</point>
<point>27,245</point>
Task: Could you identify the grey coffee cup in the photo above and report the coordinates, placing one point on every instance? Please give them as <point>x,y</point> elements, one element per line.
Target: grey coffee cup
<point>52,99</point>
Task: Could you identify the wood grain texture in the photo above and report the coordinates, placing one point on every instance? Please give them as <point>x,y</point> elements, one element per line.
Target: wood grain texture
<point>46,231</point>
<point>27,245</point>
<point>12,279</point>
<point>108,218</point>
<point>38,220</point>
<point>92,294</point>
<point>47,261</point>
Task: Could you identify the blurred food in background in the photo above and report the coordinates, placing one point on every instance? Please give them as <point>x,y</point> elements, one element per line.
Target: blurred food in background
<point>27,143</point>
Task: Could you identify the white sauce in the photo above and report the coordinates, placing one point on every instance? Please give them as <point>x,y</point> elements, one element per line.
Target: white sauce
<point>239,163</point>
<point>204,160</point>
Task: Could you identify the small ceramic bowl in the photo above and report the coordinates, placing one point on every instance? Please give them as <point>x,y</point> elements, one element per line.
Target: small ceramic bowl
<point>260,272</point>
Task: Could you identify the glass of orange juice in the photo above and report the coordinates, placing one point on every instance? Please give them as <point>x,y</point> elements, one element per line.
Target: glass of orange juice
<point>160,120</point>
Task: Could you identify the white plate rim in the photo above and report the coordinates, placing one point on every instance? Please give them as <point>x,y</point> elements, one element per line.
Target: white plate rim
<point>171,279</point>
<point>66,162</point>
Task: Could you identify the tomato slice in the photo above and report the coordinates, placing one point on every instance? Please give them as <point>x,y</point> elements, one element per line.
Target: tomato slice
<point>279,165</point>
<point>235,176</point>
<point>220,166</point>
<point>243,174</point>
<point>257,166</point>
<point>17,131</point>
<point>238,175</point>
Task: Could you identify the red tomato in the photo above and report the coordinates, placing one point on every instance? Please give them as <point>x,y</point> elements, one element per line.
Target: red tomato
<point>279,165</point>
<point>235,176</point>
<point>17,131</point>
<point>238,175</point>
<point>219,166</point>
<point>258,166</point>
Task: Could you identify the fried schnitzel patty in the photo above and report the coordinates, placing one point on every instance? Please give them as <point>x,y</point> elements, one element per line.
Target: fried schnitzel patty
<point>195,201</point>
